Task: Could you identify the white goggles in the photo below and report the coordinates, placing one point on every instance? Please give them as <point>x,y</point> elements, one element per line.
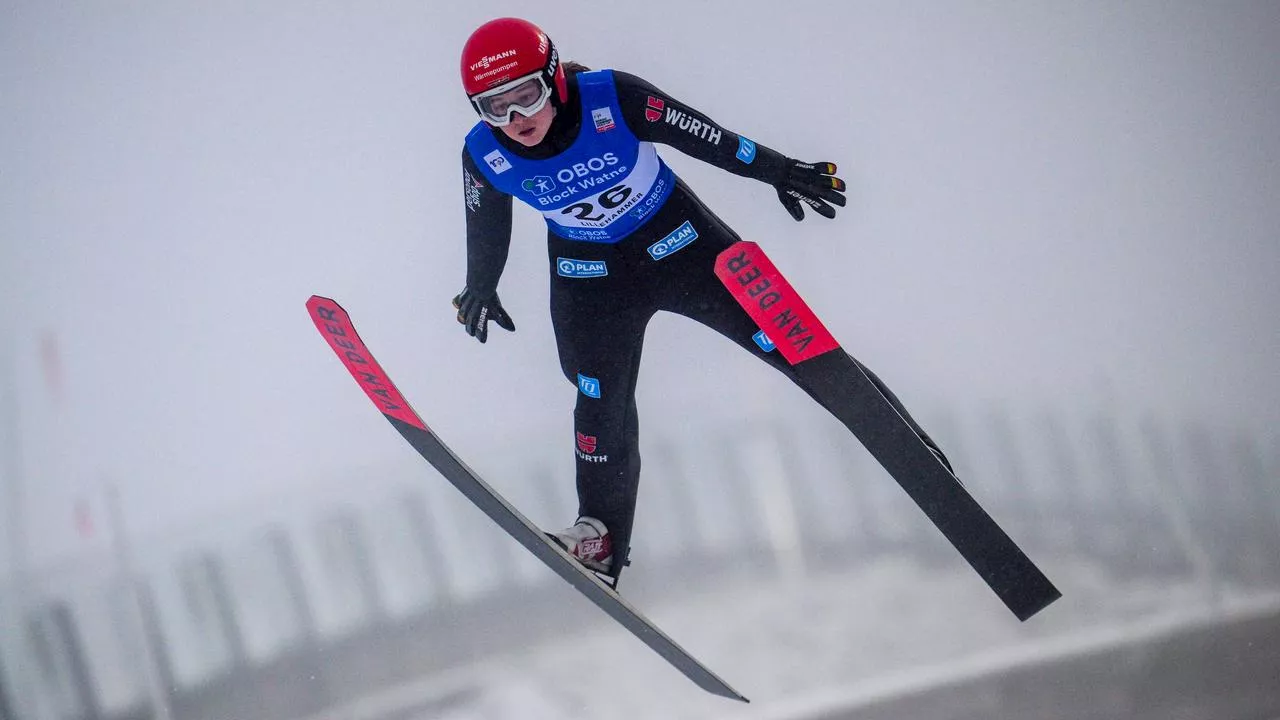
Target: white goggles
<point>525,95</point>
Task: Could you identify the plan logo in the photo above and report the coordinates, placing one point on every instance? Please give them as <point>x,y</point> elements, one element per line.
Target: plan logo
<point>497,162</point>
<point>570,268</point>
<point>603,118</point>
<point>678,238</point>
<point>746,150</point>
<point>589,386</point>
<point>539,184</point>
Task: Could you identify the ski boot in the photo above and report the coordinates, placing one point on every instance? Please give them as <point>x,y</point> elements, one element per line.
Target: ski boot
<point>588,542</point>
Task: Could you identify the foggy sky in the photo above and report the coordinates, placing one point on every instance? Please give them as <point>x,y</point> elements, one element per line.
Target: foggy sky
<point>1064,203</point>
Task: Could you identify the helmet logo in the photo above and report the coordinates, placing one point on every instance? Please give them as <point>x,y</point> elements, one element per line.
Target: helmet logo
<point>485,61</point>
<point>507,48</point>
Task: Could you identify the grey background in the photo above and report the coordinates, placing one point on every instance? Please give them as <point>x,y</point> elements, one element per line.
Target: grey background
<point>1049,202</point>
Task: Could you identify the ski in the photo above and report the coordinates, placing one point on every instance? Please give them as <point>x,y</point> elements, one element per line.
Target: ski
<point>839,384</point>
<point>336,327</point>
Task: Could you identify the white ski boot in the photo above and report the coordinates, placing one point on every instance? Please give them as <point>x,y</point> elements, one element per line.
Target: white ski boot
<point>587,541</point>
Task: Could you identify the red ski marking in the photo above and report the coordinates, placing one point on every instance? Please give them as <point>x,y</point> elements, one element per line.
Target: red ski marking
<point>772,303</point>
<point>335,325</point>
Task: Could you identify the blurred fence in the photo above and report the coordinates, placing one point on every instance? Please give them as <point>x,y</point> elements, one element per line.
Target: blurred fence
<point>290,617</point>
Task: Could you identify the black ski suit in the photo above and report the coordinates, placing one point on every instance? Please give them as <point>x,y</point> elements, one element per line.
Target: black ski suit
<point>600,323</point>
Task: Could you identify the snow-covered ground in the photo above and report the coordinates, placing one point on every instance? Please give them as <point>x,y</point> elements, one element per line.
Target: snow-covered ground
<point>883,625</point>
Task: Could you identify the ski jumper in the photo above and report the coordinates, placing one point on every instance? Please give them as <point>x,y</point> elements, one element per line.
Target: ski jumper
<point>626,238</point>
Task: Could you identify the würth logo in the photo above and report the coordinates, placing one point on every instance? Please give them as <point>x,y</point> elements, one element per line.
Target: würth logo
<point>587,447</point>
<point>694,126</point>
<point>653,108</point>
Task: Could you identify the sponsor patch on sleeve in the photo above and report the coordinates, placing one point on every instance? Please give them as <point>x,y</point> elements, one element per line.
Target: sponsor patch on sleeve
<point>653,108</point>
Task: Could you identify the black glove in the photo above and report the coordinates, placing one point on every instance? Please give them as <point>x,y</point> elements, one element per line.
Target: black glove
<point>811,184</point>
<point>475,313</point>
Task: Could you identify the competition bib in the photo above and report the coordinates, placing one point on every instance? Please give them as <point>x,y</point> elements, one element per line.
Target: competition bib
<point>602,188</point>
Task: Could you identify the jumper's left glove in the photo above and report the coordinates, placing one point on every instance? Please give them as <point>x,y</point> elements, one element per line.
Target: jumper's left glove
<point>813,184</point>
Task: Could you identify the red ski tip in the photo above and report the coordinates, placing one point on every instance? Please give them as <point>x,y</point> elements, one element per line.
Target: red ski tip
<point>335,326</point>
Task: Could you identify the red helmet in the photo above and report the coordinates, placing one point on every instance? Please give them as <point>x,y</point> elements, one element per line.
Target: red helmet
<point>503,50</point>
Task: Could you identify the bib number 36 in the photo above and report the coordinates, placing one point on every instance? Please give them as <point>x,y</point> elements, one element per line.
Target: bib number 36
<point>608,200</point>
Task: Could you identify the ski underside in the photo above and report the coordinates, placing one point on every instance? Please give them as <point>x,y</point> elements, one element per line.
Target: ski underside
<point>841,385</point>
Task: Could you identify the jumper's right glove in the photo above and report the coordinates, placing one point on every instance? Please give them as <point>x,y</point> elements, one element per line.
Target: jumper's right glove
<point>813,184</point>
<point>475,312</point>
